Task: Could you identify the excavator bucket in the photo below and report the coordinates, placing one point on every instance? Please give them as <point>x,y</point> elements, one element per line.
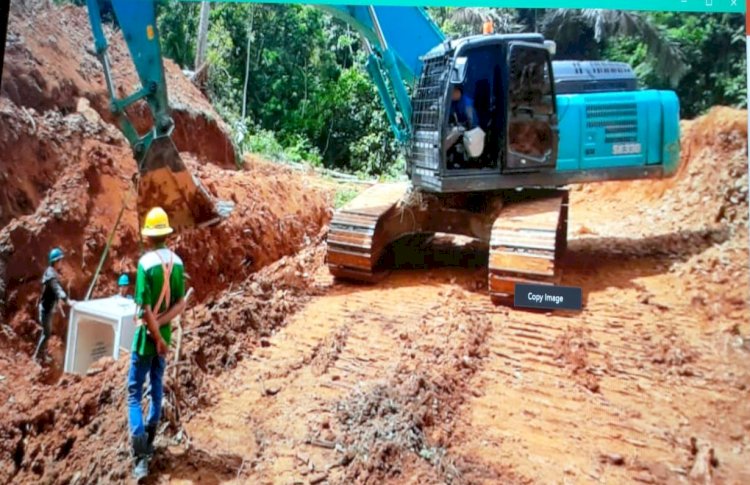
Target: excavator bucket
<point>165,181</point>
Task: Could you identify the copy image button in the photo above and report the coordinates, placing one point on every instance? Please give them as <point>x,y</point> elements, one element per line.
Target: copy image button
<point>548,297</point>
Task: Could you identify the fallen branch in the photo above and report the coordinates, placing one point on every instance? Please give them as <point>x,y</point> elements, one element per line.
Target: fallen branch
<point>322,443</point>
<point>178,342</point>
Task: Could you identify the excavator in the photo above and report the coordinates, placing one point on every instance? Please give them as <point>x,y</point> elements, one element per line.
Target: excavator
<point>541,125</point>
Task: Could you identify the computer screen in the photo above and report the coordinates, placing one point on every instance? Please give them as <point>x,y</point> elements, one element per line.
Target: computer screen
<point>450,242</point>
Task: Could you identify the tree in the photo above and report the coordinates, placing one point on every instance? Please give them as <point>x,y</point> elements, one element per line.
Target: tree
<point>247,62</point>
<point>177,26</point>
<point>472,18</point>
<point>709,80</point>
<point>463,21</point>
<point>202,42</point>
<point>564,25</point>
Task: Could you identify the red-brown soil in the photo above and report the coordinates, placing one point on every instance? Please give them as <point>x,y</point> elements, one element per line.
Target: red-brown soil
<point>286,376</point>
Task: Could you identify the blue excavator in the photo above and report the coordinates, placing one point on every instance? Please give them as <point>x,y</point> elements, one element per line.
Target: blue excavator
<point>537,126</point>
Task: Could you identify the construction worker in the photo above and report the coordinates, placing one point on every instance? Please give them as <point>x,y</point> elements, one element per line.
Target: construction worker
<point>462,109</point>
<point>51,293</point>
<point>463,117</point>
<point>159,294</point>
<point>122,286</point>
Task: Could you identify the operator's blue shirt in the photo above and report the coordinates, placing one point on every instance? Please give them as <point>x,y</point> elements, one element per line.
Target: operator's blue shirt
<point>464,113</point>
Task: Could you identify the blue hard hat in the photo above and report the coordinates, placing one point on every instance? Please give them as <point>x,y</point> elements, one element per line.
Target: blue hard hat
<point>55,255</point>
<point>123,281</point>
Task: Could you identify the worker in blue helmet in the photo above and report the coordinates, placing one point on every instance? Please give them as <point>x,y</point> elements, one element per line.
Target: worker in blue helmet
<point>51,293</point>
<point>123,285</point>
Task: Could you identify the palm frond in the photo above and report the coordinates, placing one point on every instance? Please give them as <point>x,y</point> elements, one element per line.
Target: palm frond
<point>667,56</point>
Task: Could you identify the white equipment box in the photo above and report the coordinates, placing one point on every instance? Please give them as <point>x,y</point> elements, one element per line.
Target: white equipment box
<point>96,329</point>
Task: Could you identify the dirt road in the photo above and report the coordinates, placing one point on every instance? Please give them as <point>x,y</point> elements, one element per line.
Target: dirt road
<point>615,394</point>
<point>422,380</point>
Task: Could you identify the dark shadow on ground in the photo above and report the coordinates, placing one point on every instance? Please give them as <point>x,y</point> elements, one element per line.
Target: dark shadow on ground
<point>195,465</point>
<point>599,263</point>
<point>592,263</point>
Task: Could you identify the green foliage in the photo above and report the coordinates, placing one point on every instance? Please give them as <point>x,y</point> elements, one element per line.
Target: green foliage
<point>343,196</point>
<point>264,142</point>
<point>309,97</point>
<point>178,22</point>
<point>714,50</point>
<point>308,94</point>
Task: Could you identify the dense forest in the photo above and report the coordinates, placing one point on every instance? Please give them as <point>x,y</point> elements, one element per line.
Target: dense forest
<point>291,81</point>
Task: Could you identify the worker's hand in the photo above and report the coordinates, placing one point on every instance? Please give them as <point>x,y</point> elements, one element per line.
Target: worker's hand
<point>161,347</point>
<point>72,303</point>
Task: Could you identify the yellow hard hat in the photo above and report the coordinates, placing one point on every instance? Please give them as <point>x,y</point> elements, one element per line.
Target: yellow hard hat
<point>157,223</point>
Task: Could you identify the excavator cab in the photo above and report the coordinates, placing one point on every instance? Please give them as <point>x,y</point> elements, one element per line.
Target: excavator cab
<point>497,131</point>
<point>508,80</point>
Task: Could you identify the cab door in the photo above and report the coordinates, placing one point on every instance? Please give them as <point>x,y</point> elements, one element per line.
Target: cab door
<point>531,128</point>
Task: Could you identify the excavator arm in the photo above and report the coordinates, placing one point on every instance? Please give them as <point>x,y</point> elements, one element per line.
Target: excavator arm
<point>163,180</point>
<point>395,37</point>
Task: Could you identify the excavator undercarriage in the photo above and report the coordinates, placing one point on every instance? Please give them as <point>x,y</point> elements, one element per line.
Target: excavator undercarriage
<point>525,231</point>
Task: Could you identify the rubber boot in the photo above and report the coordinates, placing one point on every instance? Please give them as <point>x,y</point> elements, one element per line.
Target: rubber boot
<point>150,435</point>
<point>140,456</point>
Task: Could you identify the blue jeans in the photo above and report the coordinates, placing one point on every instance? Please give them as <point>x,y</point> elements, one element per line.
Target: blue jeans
<point>140,367</point>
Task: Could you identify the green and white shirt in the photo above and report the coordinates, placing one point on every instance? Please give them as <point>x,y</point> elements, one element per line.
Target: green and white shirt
<point>149,281</point>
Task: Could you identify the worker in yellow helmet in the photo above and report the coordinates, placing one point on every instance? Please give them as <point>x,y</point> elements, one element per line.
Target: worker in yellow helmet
<point>159,294</point>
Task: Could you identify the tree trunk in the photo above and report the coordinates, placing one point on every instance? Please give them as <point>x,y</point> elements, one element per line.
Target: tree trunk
<point>247,63</point>
<point>200,52</point>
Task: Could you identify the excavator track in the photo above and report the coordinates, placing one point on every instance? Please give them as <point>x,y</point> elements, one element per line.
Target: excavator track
<point>357,237</point>
<point>526,243</point>
<point>526,233</point>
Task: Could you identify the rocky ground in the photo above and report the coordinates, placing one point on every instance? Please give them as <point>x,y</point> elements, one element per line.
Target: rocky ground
<point>284,375</point>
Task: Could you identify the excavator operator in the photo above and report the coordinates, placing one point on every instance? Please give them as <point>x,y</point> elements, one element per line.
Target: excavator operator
<point>462,109</point>
<point>463,117</point>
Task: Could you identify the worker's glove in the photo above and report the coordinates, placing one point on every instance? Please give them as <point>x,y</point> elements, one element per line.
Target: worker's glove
<point>72,303</point>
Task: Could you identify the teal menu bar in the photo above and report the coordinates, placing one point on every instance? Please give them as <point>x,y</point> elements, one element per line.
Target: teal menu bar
<point>715,6</point>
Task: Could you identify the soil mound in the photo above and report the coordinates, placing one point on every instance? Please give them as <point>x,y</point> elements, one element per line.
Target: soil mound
<point>50,64</point>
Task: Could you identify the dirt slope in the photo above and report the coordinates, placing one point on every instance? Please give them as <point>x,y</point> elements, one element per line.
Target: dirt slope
<point>50,64</point>
<point>66,171</point>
